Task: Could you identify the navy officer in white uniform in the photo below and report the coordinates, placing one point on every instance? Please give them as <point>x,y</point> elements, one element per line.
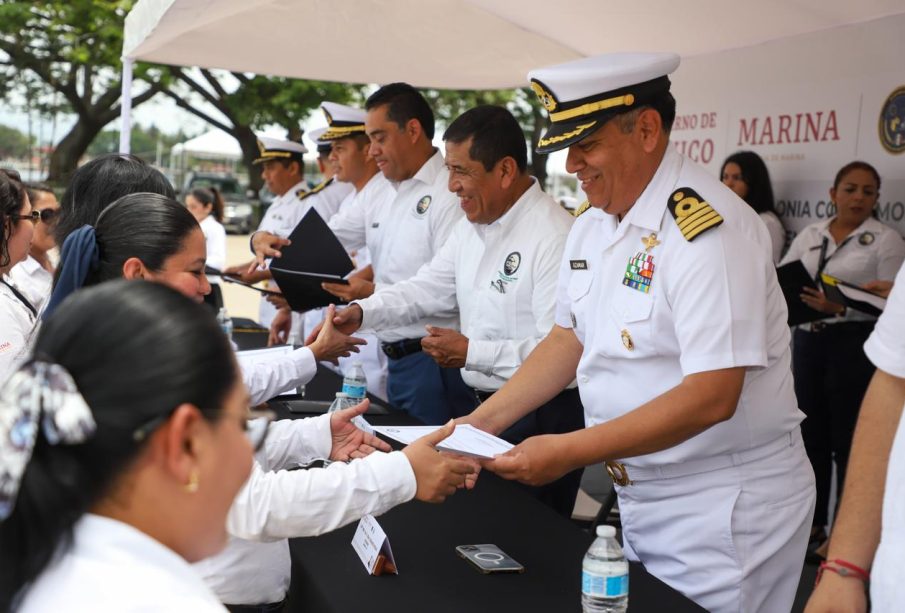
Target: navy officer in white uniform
<point>499,269</point>
<point>669,311</point>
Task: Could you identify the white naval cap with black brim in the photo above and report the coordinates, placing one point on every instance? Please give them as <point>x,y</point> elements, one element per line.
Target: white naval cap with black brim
<point>582,95</point>
<point>342,121</point>
<point>279,149</point>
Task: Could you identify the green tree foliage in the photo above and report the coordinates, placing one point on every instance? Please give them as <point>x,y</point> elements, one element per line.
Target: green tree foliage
<point>71,47</point>
<point>144,142</point>
<point>13,143</point>
<point>244,103</point>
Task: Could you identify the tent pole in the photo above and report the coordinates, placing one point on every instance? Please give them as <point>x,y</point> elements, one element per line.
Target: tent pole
<point>125,130</point>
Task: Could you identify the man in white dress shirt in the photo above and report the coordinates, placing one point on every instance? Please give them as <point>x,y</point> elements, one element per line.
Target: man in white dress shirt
<point>498,268</point>
<point>402,229</point>
<point>669,312</point>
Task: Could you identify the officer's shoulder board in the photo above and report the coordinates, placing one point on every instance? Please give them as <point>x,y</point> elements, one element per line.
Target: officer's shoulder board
<point>584,206</point>
<point>302,193</point>
<point>693,214</point>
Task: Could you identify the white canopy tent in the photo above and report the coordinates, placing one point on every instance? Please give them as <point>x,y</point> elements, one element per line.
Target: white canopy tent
<point>213,144</point>
<point>456,44</point>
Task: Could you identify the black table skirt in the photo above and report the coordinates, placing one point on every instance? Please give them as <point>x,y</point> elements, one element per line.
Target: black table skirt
<point>328,576</point>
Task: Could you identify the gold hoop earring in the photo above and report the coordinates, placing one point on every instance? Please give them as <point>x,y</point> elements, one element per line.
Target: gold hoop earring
<point>192,486</point>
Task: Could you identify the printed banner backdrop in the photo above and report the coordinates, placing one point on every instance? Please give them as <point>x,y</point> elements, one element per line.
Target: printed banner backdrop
<point>808,105</point>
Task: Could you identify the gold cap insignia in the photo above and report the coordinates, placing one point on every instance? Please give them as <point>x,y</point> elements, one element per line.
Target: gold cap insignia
<point>329,117</point>
<point>545,97</point>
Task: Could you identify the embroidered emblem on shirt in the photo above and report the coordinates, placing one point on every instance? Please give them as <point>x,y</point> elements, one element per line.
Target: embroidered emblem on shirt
<point>578,264</point>
<point>513,260</point>
<point>639,272</point>
<point>866,238</point>
<point>627,340</point>
<point>423,205</point>
<point>693,214</point>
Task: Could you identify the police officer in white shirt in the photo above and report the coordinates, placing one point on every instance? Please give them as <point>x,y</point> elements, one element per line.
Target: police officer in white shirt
<point>403,228</point>
<point>830,367</point>
<point>869,531</point>
<point>498,268</point>
<point>669,310</point>
<point>282,168</point>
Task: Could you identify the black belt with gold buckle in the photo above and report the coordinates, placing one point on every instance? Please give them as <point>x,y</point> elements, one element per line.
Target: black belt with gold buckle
<point>618,473</point>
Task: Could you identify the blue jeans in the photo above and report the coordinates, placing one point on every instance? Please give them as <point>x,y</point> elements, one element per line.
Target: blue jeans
<point>425,390</point>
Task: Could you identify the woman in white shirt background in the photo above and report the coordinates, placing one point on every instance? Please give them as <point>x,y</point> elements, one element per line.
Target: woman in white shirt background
<point>34,276</point>
<point>122,446</point>
<point>18,316</point>
<point>746,174</point>
<point>206,205</point>
<point>828,361</point>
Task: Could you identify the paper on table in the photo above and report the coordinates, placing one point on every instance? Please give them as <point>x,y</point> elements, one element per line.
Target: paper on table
<point>251,357</point>
<point>465,440</point>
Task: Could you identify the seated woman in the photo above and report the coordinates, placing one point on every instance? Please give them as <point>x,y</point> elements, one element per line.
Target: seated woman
<point>124,442</point>
<point>147,236</point>
<point>828,361</point>
<point>206,205</point>
<point>34,276</point>
<point>18,316</point>
<point>746,174</point>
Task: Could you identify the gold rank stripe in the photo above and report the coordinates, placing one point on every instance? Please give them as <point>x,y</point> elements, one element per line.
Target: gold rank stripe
<point>556,139</point>
<point>592,107</point>
<point>694,224</point>
<point>334,132</point>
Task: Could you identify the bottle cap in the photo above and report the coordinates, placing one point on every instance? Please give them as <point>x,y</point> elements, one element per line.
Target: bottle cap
<point>342,395</point>
<point>606,531</point>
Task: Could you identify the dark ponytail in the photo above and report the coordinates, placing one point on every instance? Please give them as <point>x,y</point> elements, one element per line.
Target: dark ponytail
<point>12,197</point>
<point>210,196</point>
<point>136,351</point>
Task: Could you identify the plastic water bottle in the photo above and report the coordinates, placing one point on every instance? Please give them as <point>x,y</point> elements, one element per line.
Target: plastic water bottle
<point>355,384</point>
<point>604,575</point>
<point>226,322</point>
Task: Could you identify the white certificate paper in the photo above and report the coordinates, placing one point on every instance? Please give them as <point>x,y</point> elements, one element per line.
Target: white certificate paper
<point>465,440</point>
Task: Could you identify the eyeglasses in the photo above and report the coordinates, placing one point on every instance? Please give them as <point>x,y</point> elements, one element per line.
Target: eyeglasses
<point>48,216</point>
<point>33,217</point>
<point>254,423</point>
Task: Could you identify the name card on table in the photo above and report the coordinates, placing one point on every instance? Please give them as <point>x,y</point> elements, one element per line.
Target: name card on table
<point>373,547</point>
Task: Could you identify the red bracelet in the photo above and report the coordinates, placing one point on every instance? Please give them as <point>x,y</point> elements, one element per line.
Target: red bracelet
<point>843,569</point>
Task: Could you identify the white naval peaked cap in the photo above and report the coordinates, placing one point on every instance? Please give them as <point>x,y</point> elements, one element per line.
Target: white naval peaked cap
<point>317,135</point>
<point>342,120</point>
<point>582,95</point>
<point>279,149</point>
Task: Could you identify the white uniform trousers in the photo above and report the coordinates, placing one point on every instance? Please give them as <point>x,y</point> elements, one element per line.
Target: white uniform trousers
<point>731,539</point>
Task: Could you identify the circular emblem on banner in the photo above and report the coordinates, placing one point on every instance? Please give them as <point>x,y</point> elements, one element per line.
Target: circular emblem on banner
<point>423,205</point>
<point>892,122</point>
<point>513,260</point>
<point>866,238</point>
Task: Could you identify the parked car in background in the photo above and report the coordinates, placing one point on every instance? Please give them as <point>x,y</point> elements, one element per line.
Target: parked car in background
<point>241,214</point>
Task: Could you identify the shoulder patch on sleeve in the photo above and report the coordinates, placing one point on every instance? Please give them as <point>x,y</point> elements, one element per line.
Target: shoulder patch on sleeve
<point>302,194</point>
<point>693,214</point>
<point>584,206</point>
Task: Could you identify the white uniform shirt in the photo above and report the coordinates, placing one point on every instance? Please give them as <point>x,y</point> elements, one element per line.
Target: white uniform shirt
<point>873,251</point>
<point>271,376</point>
<point>326,199</point>
<point>777,234</point>
<point>113,567</point>
<point>713,303</point>
<point>215,240</point>
<point>274,506</point>
<point>33,280</point>
<point>501,276</point>
<point>17,330</point>
<point>403,225</point>
<point>886,349</point>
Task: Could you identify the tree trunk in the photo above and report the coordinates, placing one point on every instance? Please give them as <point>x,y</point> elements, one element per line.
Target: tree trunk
<point>250,152</point>
<point>65,157</point>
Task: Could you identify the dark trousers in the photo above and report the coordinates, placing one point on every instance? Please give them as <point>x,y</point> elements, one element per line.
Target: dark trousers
<point>422,388</point>
<point>831,376</point>
<point>563,413</point>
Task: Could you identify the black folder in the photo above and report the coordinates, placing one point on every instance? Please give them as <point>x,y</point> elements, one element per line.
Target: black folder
<point>848,294</point>
<point>792,278</point>
<point>314,257</point>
